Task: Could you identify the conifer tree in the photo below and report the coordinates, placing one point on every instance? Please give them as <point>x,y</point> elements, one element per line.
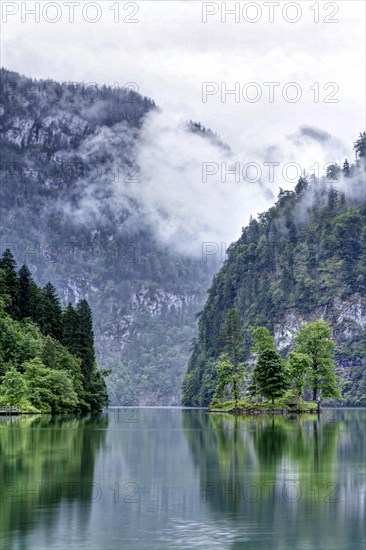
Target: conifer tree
<point>360,146</point>
<point>270,374</point>
<point>49,315</point>
<point>27,296</point>
<point>86,341</point>
<point>332,172</point>
<point>301,185</point>
<point>9,284</point>
<point>70,330</point>
<point>78,338</point>
<point>346,169</point>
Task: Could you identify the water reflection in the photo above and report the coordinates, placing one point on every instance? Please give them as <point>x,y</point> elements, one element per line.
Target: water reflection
<point>182,479</point>
<point>300,484</point>
<point>45,461</point>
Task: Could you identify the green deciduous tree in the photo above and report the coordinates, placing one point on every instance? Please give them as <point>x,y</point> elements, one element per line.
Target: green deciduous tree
<point>49,390</point>
<point>231,338</point>
<point>261,340</point>
<point>314,340</point>
<point>299,368</point>
<point>228,379</point>
<point>13,388</point>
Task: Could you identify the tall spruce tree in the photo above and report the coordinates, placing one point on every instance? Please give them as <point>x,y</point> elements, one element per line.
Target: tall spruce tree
<point>78,338</point>
<point>27,295</point>
<point>70,330</point>
<point>86,341</point>
<point>270,374</point>
<point>49,312</point>
<point>301,185</point>
<point>360,146</point>
<point>9,289</point>
<point>346,169</point>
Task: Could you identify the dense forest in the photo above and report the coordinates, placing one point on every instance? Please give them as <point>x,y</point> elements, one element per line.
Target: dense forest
<point>47,359</point>
<point>303,259</point>
<point>62,148</point>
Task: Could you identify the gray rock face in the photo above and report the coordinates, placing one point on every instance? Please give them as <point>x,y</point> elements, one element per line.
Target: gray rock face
<point>58,154</point>
<point>347,317</point>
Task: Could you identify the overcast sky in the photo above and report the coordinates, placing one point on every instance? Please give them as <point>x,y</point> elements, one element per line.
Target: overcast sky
<point>170,52</point>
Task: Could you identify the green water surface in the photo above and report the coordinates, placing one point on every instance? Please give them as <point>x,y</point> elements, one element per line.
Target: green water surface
<point>182,478</point>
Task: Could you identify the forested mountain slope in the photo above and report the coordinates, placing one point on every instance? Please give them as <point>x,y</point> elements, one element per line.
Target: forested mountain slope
<point>47,359</point>
<point>304,259</point>
<point>67,157</point>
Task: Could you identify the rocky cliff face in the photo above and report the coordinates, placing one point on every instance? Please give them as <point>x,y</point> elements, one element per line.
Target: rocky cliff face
<point>347,318</point>
<point>56,156</point>
<point>302,260</point>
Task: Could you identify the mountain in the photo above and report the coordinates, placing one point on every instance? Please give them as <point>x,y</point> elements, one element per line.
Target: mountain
<point>70,209</point>
<point>304,259</point>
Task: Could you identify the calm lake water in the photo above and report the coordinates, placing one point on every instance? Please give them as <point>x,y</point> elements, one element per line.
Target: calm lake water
<point>172,478</point>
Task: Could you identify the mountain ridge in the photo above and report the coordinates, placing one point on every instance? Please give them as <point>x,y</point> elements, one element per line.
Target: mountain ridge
<point>287,269</point>
<point>55,159</point>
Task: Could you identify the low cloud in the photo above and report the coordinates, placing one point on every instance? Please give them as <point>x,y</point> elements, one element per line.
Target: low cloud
<point>157,179</point>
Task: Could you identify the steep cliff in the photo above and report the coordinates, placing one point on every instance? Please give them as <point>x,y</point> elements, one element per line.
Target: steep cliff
<point>303,259</point>
<point>68,171</point>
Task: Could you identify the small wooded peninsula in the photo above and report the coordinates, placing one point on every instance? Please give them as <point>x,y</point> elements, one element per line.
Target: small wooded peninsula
<point>277,385</point>
<point>47,359</point>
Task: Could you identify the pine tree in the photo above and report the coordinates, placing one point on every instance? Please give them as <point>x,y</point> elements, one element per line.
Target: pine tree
<point>301,185</point>
<point>270,374</point>
<point>49,314</point>
<point>70,330</point>
<point>360,146</point>
<point>78,338</point>
<point>9,289</point>
<point>332,172</point>
<point>27,297</point>
<point>346,169</point>
<point>86,341</point>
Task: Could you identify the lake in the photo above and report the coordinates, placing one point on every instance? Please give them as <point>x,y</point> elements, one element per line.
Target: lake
<point>167,478</point>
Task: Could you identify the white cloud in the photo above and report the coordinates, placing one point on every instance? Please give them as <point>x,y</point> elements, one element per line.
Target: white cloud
<point>169,53</point>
